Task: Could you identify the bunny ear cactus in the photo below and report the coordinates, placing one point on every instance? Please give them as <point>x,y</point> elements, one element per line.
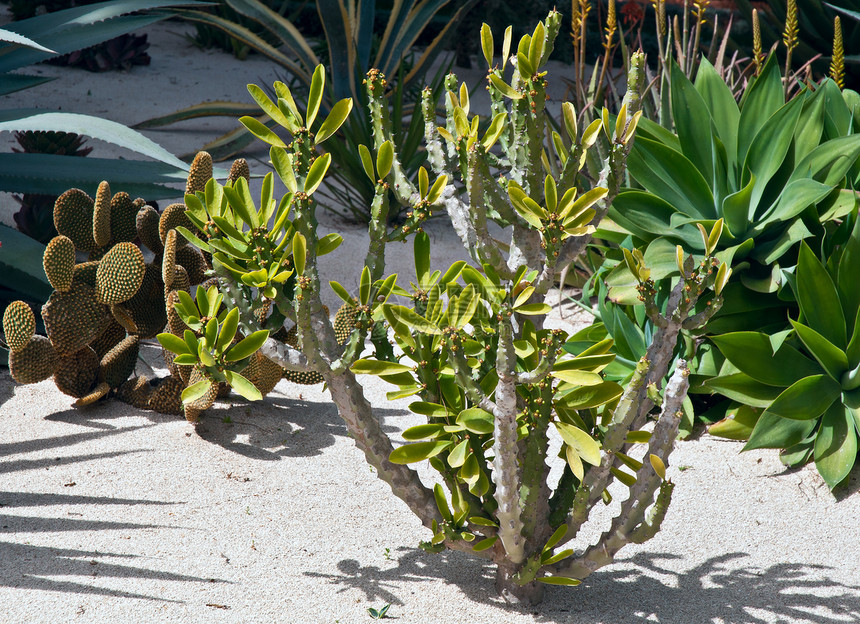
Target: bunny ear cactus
<point>804,383</point>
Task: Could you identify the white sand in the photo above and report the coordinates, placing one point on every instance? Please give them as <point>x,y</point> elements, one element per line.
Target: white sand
<point>266,512</point>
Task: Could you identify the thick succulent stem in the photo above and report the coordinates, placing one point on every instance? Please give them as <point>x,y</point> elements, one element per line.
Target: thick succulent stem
<point>508,586</point>
<point>628,525</point>
<point>364,428</point>
<point>506,468</point>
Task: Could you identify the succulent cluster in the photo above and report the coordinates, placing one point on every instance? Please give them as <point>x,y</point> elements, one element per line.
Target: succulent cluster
<point>121,274</point>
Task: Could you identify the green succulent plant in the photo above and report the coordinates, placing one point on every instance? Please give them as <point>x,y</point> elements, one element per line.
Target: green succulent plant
<point>208,345</point>
<point>804,382</point>
<point>773,171</point>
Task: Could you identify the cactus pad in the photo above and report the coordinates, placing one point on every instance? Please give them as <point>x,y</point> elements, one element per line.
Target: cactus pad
<point>180,279</point>
<point>195,408</point>
<point>168,259</point>
<point>199,173</point>
<point>146,223</point>
<point>100,391</point>
<point>194,263</point>
<point>19,325</point>
<point>76,374</point>
<point>147,306</point>
<point>344,322</point>
<point>137,391</point>
<point>268,374</point>
<point>73,319</point>
<point>120,273</point>
<point>101,216</point>
<point>123,213</point>
<point>118,363</point>
<point>35,362</point>
<point>239,169</point>
<point>59,262</point>
<point>109,338</point>
<point>167,396</point>
<point>172,217</point>
<point>85,273</point>
<point>73,217</point>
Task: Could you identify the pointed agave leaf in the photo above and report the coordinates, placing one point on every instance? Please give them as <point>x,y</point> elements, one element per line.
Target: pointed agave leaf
<point>819,299</point>
<point>753,354</point>
<point>806,399</point>
<point>771,431</point>
<point>261,131</point>
<point>317,172</point>
<point>836,445</point>
<point>832,359</point>
<point>338,114</point>
<point>411,453</point>
<point>247,346</point>
<point>244,387</point>
<point>195,391</point>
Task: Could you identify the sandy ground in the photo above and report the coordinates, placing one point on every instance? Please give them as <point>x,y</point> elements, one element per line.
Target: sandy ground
<point>267,512</point>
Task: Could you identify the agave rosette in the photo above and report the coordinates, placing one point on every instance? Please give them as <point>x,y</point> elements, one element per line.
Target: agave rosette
<point>807,379</point>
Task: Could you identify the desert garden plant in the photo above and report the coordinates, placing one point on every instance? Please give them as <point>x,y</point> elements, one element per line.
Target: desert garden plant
<point>805,379</point>
<point>499,392</point>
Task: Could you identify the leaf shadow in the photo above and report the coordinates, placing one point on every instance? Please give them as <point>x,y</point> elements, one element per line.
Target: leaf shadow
<point>643,588</point>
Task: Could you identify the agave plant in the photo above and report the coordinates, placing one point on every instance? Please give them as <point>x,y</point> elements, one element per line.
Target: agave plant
<point>773,171</point>
<point>806,379</point>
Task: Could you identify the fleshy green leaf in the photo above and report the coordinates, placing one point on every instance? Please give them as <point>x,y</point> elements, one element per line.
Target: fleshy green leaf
<point>247,346</point>
<point>410,453</point>
<point>317,172</point>
<point>339,112</point>
<point>243,386</point>
<point>379,367</point>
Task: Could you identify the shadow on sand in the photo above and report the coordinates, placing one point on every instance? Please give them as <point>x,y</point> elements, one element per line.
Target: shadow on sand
<point>645,588</point>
